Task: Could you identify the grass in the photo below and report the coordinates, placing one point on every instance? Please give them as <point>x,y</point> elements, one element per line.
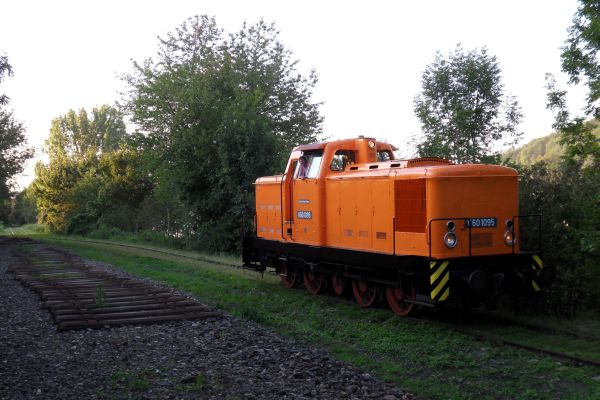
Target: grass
<point>427,360</point>
<point>423,359</point>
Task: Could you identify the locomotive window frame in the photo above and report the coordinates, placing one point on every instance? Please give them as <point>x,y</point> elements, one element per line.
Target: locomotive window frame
<point>341,158</point>
<point>384,155</point>
<point>313,164</point>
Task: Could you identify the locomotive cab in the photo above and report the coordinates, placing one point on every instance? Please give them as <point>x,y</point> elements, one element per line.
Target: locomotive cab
<point>422,231</point>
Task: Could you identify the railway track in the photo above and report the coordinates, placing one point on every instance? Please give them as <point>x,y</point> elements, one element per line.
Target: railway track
<point>499,340</point>
<point>475,323</point>
<point>494,318</point>
<point>496,339</point>
<point>81,297</point>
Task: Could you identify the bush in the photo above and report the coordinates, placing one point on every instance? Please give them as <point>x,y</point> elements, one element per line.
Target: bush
<point>106,232</point>
<point>567,197</point>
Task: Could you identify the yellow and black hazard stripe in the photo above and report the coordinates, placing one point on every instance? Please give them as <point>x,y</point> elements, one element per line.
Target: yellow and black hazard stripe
<point>536,265</point>
<point>440,280</point>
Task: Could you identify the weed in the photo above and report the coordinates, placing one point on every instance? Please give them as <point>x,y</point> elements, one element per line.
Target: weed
<point>100,298</point>
<point>140,384</point>
<point>199,382</point>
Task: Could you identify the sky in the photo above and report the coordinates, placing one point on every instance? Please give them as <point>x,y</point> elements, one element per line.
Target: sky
<point>369,55</point>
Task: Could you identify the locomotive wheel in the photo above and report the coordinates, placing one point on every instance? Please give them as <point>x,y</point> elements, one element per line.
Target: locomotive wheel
<point>338,283</point>
<point>365,293</point>
<point>289,276</point>
<point>396,297</point>
<point>314,281</point>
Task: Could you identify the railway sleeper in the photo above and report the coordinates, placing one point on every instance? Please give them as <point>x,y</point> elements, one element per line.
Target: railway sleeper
<point>140,307</point>
<point>97,324</point>
<point>129,314</point>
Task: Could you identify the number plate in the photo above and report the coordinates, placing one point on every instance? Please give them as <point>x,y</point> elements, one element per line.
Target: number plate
<point>304,214</point>
<point>485,222</point>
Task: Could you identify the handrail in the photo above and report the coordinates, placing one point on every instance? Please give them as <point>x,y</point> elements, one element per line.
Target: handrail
<point>281,208</point>
<point>539,217</point>
<point>515,217</point>
<point>447,219</point>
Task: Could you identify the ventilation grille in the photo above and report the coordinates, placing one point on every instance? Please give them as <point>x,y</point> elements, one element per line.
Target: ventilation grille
<point>410,205</point>
<point>419,162</point>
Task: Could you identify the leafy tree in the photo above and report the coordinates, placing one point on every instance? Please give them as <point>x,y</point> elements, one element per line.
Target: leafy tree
<point>52,185</point>
<point>463,108</point>
<point>580,61</point>
<point>24,210</point>
<point>76,134</point>
<point>581,51</point>
<point>581,143</point>
<point>91,176</point>
<point>218,111</point>
<point>569,193</point>
<point>124,186</point>
<point>568,200</point>
<point>13,152</point>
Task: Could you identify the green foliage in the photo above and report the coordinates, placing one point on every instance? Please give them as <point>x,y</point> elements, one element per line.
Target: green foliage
<point>92,177</point>
<point>219,111</point>
<point>580,61</point>
<point>76,135</point>
<point>582,144</point>
<point>13,150</point>
<point>569,199</point>
<point>24,210</point>
<point>547,149</point>
<point>463,108</point>
<point>580,54</point>
<point>569,193</point>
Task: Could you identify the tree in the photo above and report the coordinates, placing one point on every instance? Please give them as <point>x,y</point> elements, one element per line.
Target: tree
<point>568,193</point>
<point>13,150</point>
<point>218,111</point>
<point>579,57</point>
<point>463,108</point>
<point>92,175</point>
<point>76,134</point>
<point>579,60</point>
<point>24,210</point>
<point>568,200</point>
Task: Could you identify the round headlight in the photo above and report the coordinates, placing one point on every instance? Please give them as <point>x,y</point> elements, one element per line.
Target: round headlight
<point>509,238</point>
<point>450,240</point>
<point>509,224</point>
<point>451,226</point>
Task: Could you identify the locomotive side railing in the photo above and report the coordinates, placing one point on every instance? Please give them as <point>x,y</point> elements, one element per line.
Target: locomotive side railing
<point>539,229</point>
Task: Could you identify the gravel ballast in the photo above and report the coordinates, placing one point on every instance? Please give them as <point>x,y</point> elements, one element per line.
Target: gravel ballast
<point>218,358</point>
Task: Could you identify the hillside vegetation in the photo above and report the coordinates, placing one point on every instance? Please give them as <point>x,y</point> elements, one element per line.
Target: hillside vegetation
<point>545,149</point>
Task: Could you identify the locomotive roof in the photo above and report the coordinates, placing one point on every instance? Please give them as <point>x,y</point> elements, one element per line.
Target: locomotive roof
<point>341,142</point>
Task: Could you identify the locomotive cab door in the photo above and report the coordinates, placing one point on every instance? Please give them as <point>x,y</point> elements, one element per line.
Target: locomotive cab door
<point>306,199</point>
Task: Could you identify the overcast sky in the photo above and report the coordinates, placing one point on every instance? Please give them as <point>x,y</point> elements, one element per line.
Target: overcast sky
<point>369,54</point>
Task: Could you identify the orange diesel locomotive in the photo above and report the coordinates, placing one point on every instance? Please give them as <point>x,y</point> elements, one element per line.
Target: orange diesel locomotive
<point>423,232</point>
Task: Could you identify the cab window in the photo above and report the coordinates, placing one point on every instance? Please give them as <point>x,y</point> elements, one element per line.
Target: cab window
<point>341,158</point>
<point>384,155</point>
<point>313,163</point>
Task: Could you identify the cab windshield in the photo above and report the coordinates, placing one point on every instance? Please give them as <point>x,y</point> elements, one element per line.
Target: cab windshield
<point>313,163</point>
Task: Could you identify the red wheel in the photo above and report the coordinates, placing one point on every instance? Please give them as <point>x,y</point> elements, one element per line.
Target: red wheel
<point>289,276</point>
<point>365,293</point>
<point>338,283</point>
<point>314,281</point>
<point>397,296</point>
